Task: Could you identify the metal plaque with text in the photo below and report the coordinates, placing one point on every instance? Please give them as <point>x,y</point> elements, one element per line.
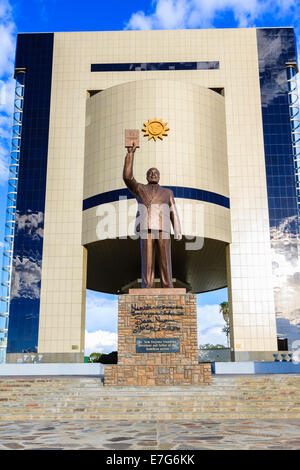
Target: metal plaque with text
<point>157,345</point>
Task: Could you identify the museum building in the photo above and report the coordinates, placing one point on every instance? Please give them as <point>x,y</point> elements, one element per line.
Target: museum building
<point>217,114</point>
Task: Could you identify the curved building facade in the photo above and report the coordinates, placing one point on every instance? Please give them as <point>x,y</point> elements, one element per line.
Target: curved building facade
<point>192,159</point>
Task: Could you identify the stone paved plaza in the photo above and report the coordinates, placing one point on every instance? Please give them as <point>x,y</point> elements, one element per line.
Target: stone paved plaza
<point>151,435</point>
<point>233,412</point>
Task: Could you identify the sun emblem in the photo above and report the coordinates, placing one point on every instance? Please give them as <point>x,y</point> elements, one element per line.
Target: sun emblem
<point>155,129</point>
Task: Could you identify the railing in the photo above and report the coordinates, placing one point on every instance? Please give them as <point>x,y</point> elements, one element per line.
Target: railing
<point>11,210</point>
<point>293,98</point>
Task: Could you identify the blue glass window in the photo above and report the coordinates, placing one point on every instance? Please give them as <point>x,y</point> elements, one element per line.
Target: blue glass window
<point>148,66</point>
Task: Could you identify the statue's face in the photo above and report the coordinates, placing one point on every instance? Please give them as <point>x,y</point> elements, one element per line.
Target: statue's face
<point>153,176</point>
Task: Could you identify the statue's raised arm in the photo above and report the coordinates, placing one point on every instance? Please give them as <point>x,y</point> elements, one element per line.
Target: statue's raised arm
<point>128,177</point>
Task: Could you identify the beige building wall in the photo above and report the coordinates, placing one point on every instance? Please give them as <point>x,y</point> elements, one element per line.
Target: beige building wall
<point>61,311</point>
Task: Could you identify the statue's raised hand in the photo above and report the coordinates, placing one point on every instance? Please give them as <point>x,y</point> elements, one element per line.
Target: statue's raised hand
<point>132,149</point>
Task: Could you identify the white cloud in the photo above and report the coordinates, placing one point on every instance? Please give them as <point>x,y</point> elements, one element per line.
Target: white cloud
<point>168,14</point>
<point>210,323</point>
<point>7,84</point>
<point>100,341</point>
<point>3,160</point>
<point>26,275</point>
<point>7,37</point>
<point>32,224</point>
<point>173,14</point>
<point>7,90</point>
<point>26,278</point>
<point>286,278</point>
<point>101,312</point>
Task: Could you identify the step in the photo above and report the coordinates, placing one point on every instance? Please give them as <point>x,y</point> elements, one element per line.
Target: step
<point>276,397</point>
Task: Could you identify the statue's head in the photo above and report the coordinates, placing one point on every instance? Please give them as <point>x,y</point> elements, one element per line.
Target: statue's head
<point>153,176</point>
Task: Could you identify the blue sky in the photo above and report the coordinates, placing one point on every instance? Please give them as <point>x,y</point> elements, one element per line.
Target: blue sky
<point>66,15</point>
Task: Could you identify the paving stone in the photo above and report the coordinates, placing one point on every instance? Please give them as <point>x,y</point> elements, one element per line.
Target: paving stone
<point>230,434</point>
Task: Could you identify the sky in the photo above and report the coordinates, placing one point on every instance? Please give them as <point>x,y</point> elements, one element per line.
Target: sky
<point>18,16</point>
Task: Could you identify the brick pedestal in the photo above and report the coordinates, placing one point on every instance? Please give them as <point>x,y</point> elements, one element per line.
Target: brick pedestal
<point>157,340</point>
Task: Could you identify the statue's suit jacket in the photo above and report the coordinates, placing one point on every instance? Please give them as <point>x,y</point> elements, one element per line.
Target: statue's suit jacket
<point>156,205</point>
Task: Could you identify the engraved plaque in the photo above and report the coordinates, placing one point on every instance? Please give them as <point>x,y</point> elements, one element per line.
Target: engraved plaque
<point>157,345</point>
<point>132,136</point>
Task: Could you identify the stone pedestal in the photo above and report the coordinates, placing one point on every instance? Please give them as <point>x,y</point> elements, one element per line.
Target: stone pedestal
<point>157,340</point>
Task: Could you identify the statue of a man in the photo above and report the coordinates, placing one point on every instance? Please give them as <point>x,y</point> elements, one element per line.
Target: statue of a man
<point>156,212</point>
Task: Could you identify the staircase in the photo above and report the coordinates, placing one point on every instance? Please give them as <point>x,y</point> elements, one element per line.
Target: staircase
<point>85,398</point>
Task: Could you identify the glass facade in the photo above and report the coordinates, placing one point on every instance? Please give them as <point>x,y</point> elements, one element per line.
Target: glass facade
<point>276,49</point>
<point>147,67</point>
<point>34,54</point>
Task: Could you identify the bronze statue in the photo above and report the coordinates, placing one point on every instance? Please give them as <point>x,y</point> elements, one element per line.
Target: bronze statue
<point>156,209</point>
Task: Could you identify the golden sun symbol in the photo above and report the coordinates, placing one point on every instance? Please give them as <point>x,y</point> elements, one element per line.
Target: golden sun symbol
<point>155,129</point>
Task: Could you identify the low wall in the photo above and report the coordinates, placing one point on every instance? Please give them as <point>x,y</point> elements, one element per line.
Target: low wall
<point>90,369</point>
<point>255,368</point>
